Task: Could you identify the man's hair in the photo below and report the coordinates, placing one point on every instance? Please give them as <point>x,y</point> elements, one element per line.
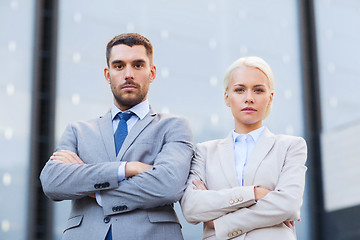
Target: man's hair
<point>130,39</point>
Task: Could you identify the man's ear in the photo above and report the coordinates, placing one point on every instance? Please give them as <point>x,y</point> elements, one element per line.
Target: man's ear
<point>152,73</point>
<point>107,75</point>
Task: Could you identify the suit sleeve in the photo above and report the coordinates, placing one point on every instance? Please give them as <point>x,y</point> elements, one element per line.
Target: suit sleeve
<point>161,185</point>
<point>204,205</point>
<point>277,206</point>
<point>62,181</point>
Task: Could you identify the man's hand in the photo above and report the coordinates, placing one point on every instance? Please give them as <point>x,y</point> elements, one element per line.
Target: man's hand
<point>134,168</point>
<point>66,156</point>
<point>260,192</point>
<point>92,195</point>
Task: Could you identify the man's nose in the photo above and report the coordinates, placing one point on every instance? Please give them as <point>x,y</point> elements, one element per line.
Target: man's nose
<point>129,74</point>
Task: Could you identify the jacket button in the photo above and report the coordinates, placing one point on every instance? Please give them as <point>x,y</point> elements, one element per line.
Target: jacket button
<point>106,219</point>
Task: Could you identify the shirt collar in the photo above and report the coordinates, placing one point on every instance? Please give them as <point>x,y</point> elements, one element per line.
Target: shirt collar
<point>139,110</point>
<point>254,134</point>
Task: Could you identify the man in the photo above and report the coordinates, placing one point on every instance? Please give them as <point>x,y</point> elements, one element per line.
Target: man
<point>124,170</point>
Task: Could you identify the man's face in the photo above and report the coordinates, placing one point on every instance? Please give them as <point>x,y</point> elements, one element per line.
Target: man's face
<point>129,75</point>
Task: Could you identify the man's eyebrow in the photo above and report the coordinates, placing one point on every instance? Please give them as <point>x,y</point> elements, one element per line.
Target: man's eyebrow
<point>134,61</point>
<point>139,61</point>
<point>116,61</point>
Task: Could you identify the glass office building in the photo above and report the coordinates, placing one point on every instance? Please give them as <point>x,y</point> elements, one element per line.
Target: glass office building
<point>194,42</point>
<point>16,42</point>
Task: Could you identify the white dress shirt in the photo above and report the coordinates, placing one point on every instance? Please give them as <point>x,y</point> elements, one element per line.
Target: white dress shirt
<point>140,111</point>
<point>243,147</point>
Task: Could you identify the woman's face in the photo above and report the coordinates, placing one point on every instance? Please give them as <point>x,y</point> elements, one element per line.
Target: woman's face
<point>248,96</point>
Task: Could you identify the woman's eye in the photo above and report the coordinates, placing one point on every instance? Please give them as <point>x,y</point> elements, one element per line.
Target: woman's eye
<point>259,90</point>
<point>239,90</point>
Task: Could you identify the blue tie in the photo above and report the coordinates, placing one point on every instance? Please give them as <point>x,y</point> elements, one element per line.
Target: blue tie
<point>109,235</point>
<point>121,131</point>
<point>119,137</point>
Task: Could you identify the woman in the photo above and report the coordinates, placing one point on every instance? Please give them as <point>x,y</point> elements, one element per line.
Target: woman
<point>250,184</point>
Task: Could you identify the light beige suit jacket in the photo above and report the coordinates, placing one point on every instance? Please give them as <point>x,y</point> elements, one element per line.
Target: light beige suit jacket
<point>277,163</point>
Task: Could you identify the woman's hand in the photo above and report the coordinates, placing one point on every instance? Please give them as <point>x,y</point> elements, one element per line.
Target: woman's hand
<point>289,224</point>
<point>199,185</point>
<point>260,192</point>
<point>209,224</point>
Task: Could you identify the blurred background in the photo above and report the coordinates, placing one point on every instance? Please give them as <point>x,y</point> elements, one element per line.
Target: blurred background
<point>52,56</point>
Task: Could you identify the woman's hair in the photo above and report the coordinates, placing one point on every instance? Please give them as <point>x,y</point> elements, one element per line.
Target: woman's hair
<point>255,62</point>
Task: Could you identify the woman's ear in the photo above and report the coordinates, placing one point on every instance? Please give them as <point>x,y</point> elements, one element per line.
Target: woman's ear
<point>271,98</point>
<point>226,98</point>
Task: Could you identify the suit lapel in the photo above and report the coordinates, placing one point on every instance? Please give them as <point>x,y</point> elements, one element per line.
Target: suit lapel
<point>134,133</point>
<point>107,133</point>
<point>262,148</point>
<point>227,162</point>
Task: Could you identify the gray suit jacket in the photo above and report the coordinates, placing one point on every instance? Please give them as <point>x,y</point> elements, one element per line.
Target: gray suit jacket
<point>277,163</point>
<point>137,208</point>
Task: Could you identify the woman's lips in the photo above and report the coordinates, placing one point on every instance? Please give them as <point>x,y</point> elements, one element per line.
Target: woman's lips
<point>248,110</point>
